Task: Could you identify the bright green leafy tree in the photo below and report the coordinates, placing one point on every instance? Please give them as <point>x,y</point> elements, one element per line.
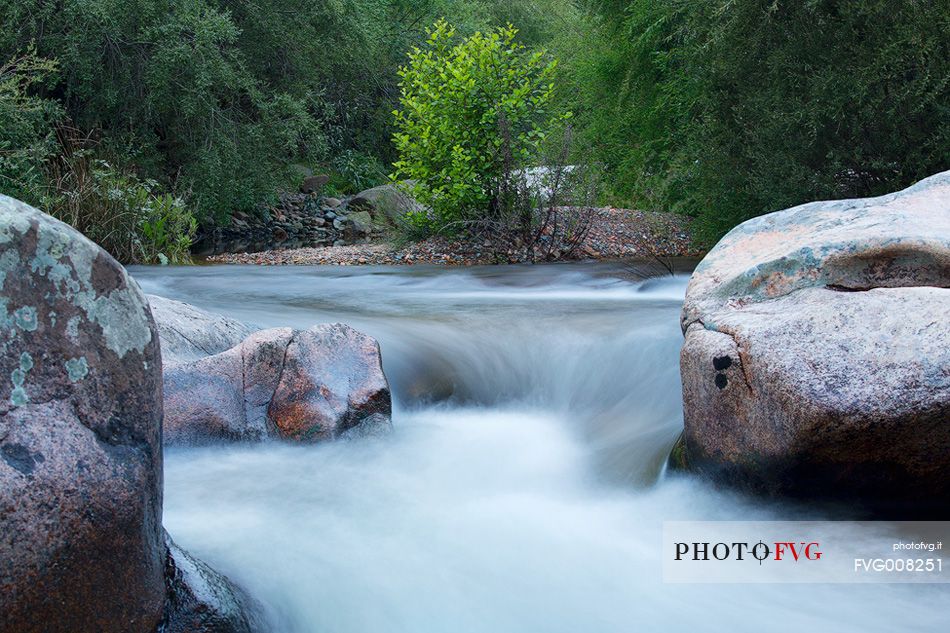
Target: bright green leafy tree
<point>471,111</point>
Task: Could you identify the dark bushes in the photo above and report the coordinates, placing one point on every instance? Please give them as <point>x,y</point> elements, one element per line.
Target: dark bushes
<point>729,109</point>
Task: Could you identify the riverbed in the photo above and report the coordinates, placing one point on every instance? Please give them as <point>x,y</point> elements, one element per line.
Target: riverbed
<point>524,486</point>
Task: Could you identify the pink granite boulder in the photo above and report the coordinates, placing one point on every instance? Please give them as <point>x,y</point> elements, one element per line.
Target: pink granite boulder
<point>300,385</point>
<point>817,352</point>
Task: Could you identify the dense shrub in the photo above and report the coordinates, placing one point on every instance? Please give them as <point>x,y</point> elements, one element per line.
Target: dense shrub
<point>472,111</point>
<point>722,109</point>
<point>123,214</point>
<point>53,167</point>
<point>352,171</point>
<point>166,84</point>
<point>729,109</point>
<point>27,140</point>
<point>215,100</point>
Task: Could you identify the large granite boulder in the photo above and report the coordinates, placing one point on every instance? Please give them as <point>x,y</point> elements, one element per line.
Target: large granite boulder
<point>301,385</point>
<point>80,421</point>
<point>359,225</point>
<point>188,333</point>
<point>817,353</point>
<point>81,543</point>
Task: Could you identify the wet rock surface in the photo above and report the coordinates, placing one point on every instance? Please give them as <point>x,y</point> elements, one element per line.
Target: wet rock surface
<point>816,353</point>
<point>200,600</point>
<point>81,542</point>
<point>331,381</point>
<point>188,333</point>
<point>301,385</point>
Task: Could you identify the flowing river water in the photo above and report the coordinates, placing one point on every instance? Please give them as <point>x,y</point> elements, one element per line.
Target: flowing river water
<point>523,489</point>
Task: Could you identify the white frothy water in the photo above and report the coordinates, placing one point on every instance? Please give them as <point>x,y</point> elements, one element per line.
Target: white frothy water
<point>519,491</point>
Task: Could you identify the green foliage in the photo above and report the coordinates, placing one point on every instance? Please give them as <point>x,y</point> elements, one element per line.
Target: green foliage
<point>167,229</point>
<point>721,109</point>
<point>730,109</point>
<point>471,112</point>
<point>214,99</point>
<point>352,172</point>
<point>118,211</point>
<point>26,133</point>
<point>167,84</point>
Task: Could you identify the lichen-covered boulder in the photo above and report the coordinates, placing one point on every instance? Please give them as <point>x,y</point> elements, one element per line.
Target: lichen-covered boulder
<point>301,385</point>
<point>81,542</point>
<point>817,351</point>
<point>188,333</point>
<point>80,421</point>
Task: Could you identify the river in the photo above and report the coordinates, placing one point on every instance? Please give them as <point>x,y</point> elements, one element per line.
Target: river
<point>523,489</point>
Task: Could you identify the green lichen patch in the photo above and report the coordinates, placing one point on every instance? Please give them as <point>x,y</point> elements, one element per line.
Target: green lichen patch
<point>77,368</point>
<point>18,397</point>
<point>67,262</point>
<point>18,376</point>
<point>26,362</point>
<point>72,330</point>
<point>25,318</point>
<point>14,220</point>
<point>119,314</point>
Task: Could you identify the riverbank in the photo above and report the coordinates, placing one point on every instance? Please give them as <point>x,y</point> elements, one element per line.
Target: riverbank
<point>614,234</point>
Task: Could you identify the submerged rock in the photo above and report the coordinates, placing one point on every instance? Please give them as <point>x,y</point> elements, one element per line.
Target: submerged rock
<point>303,385</point>
<point>200,600</point>
<point>376,425</point>
<point>188,333</point>
<point>817,348</point>
<point>81,543</point>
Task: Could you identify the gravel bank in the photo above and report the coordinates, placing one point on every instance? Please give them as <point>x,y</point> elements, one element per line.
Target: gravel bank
<point>615,234</point>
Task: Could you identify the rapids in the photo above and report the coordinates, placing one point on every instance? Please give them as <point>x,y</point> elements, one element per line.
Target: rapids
<point>523,489</point>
